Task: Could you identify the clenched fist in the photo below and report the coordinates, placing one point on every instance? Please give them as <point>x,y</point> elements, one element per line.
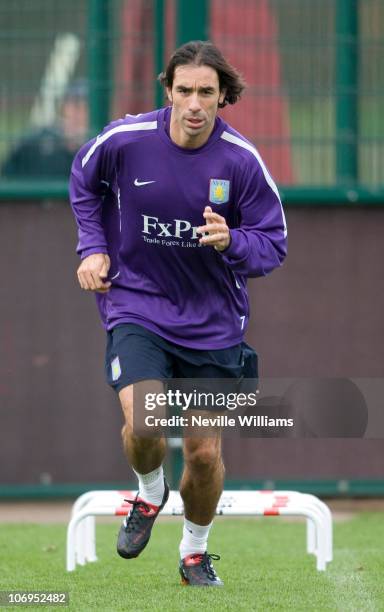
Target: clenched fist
<point>216,231</point>
<point>93,271</point>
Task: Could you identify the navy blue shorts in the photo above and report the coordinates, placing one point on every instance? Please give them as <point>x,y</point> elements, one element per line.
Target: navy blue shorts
<point>134,353</point>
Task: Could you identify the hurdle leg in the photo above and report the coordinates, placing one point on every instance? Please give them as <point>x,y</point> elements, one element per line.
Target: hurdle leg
<point>76,551</point>
<point>80,543</point>
<point>71,543</point>
<point>90,539</point>
<point>321,539</point>
<point>315,502</point>
<point>75,530</point>
<point>329,523</point>
<point>318,534</point>
<point>325,511</point>
<point>85,541</point>
<point>311,537</point>
<point>287,498</point>
<point>310,512</point>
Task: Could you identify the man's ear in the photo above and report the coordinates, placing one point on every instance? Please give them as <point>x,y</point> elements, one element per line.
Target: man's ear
<point>222,96</point>
<point>169,94</point>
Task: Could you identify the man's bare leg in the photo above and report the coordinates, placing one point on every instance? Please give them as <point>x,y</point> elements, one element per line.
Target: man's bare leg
<point>145,455</point>
<point>203,477</point>
<point>201,486</point>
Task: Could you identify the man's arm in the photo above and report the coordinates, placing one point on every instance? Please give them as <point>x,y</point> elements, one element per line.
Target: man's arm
<point>260,243</point>
<point>91,171</point>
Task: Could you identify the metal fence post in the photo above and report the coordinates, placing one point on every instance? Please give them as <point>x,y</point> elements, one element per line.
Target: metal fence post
<point>99,70</point>
<point>158,49</point>
<point>346,91</point>
<point>192,20</point>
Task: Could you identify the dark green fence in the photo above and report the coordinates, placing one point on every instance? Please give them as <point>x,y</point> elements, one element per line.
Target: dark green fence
<point>312,108</point>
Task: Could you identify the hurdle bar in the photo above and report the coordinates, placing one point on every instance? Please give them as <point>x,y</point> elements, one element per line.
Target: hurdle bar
<point>81,533</point>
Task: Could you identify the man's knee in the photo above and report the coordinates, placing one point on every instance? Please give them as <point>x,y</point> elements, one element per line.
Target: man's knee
<point>133,403</point>
<point>202,456</point>
<point>132,434</point>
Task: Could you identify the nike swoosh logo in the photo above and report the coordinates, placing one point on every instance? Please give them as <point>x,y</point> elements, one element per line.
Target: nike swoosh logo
<point>138,183</point>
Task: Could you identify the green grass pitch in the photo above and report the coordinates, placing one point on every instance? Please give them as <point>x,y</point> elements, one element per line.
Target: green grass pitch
<point>263,563</point>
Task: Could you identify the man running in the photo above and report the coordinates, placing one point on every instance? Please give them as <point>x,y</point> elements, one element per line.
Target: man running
<point>175,211</point>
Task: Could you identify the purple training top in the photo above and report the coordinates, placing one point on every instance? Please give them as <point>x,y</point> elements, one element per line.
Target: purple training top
<point>140,197</point>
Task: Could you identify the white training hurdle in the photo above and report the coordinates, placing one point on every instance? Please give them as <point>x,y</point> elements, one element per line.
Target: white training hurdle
<point>81,533</point>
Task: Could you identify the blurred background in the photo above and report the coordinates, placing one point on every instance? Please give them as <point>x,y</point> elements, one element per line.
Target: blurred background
<point>315,80</point>
<point>313,108</point>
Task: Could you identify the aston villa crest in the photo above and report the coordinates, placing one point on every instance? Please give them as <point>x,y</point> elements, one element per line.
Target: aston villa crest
<point>218,191</point>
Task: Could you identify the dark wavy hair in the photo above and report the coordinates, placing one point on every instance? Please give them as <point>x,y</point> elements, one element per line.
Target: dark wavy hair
<point>204,53</point>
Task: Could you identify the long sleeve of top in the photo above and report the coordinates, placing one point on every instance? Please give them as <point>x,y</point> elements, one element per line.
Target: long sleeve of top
<point>140,198</point>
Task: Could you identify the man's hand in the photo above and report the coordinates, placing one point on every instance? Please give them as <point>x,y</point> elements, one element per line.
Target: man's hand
<point>93,271</point>
<point>217,228</point>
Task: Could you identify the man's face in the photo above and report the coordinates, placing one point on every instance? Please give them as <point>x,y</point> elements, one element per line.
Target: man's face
<point>195,95</point>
